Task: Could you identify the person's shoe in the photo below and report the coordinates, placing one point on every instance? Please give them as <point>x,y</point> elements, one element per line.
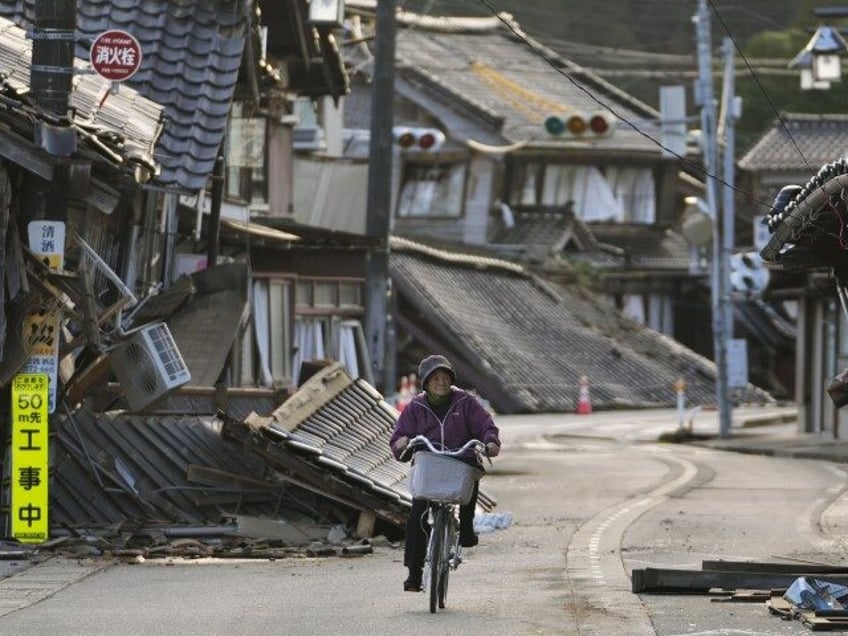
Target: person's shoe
<point>468,539</point>
<point>413,582</point>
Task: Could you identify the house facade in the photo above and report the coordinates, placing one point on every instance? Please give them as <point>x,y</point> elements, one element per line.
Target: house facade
<point>215,90</point>
<point>796,150</point>
<point>503,146</point>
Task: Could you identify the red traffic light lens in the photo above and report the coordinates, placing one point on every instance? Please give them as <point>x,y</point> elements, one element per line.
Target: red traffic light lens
<point>427,141</point>
<point>599,124</point>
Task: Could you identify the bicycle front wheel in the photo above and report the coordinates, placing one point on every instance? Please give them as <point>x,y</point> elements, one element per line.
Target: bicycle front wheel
<point>447,548</point>
<point>438,562</point>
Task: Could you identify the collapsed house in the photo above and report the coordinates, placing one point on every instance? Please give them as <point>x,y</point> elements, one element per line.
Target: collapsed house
<point>525,343</point>
<point>285,473</point>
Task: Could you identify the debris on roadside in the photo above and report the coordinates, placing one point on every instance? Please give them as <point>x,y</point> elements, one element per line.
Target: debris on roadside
<point>315,468</point>
<point>815,595</point>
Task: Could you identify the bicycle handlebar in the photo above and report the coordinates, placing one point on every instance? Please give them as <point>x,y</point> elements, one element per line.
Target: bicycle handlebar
<point>420,440</point>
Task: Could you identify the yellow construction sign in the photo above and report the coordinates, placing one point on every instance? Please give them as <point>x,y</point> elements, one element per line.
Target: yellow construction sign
<point>29,471</point>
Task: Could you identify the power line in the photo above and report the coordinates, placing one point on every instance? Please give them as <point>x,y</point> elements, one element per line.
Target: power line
<point>687,162</point>
<point>756,79</point>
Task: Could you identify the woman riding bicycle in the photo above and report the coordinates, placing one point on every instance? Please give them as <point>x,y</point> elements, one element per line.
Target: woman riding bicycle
<point>448,416</point>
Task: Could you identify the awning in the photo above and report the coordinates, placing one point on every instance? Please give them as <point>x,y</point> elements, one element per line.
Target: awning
<point>257,230</point>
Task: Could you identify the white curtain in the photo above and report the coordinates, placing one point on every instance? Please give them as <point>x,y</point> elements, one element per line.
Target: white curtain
<point>433,191</point>
<point>587,187</point>
<point>634,190</point>
<point>634,308</point>
<point>309,341</point>
<point>347,346</point>
<point>262,330</point>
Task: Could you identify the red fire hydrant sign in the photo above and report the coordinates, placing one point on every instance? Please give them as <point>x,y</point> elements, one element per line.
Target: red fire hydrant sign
<point>116,55</point>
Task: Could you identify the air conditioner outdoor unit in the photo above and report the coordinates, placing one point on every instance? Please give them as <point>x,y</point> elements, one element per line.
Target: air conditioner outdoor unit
<point>149,365</point>
<point>308,138</point>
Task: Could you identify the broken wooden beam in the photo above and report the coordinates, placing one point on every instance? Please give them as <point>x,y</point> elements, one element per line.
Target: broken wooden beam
<point>787,568</point>
<point>669,581</point>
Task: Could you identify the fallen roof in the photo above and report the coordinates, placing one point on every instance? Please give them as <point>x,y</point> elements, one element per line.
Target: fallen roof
<point>525,345</point>
<point>320,456</point>
<point>602,245</point>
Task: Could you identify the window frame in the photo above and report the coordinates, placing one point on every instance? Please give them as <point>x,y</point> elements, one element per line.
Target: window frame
<point>418,162</point>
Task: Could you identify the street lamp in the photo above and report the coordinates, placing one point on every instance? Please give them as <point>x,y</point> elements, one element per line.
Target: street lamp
<point>820,60</point>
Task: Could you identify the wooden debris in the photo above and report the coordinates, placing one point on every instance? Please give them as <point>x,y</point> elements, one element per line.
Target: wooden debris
<point>799,569</point>
<point>740,596</point>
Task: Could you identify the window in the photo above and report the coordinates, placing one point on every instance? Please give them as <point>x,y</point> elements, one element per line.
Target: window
<point>331,296</point>
<point>327,324</point>
<point>273,317</point>
<point>245,152</point>
<point>613,193</point>
<point>432,189</point>
<point>300,319</point>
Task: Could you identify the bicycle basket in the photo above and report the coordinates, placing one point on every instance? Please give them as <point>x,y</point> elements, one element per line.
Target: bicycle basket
<point>441,478</point>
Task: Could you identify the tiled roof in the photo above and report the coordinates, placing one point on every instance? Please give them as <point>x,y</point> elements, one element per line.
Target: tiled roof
<point>327,444</point>
<point>192,52</point>
<point>645,246</point>
<point>803,141</point>
<point>525,345</point>
<point>604,245</point>
<point>492,73</point>
<point>343,425</point>
<point>126,124</point>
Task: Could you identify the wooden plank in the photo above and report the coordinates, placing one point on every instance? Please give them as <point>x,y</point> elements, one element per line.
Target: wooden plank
<point>820,623</point>
<point>216,477</point>
<point>789,568</point>
<point>740,596</point>
<point>668,581</point>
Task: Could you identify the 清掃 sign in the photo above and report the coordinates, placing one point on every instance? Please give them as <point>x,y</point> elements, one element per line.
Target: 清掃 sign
<point>41,328</point>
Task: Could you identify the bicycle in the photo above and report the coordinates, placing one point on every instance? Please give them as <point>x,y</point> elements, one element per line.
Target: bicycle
<point>446,482</point>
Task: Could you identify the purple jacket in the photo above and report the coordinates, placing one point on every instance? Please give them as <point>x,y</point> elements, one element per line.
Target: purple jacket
<point>466,419</point>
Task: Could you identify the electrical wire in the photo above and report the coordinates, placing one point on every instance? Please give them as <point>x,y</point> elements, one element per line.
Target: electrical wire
<point>694,167</point>
<point>756,79</point>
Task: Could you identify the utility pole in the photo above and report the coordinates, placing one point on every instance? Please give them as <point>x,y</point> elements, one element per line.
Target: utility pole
<point>51,80</point>
<point>705,98</point>
<point>727,131</point>
<point>378,328</point>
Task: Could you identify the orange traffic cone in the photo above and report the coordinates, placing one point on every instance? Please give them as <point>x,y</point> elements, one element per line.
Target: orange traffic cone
<point>584,402</point>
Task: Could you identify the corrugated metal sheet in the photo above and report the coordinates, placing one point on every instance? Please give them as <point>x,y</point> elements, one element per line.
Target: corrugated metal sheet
<point>326,447</point>
<point>331,194</point>
<point>116,468</point>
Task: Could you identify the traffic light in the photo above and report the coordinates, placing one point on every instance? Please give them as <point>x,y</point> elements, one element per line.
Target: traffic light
<point>411,138</point>
<point>580,125</point>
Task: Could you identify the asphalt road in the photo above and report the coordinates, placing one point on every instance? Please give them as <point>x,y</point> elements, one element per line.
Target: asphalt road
<point>592,498</point>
